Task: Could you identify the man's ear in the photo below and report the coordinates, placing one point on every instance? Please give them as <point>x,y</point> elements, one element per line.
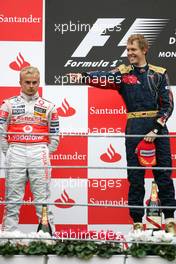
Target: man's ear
<point>145,51</point>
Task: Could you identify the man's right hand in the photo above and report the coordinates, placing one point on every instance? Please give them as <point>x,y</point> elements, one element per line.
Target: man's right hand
<point>150,137</point>
<point>75,77</point>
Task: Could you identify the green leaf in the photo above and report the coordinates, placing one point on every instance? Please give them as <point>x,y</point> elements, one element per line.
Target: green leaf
<point>87,249</point>
<point>70,247</point>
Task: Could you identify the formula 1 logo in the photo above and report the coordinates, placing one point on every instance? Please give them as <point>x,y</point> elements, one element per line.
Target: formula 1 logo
<point>149,27</point>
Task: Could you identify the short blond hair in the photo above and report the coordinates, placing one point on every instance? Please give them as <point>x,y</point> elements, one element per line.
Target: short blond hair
<point>142,41</point>
<point>29,70</point>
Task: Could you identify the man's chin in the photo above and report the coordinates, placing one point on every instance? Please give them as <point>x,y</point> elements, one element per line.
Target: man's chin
<point>133,61</point>
<point>30,94</point>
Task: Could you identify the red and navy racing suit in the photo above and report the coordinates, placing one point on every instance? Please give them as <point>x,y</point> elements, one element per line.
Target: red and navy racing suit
<point>143,89</point>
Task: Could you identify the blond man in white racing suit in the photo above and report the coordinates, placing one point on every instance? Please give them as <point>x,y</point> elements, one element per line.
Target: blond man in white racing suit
<point>26,117</point>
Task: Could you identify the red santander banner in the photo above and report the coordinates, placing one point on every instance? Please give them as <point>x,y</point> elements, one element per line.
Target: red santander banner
<point>21,20</point>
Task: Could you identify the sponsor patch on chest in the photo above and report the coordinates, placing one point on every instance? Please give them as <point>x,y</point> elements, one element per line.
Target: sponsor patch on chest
<point>40,111</point>
<point>18,111</point>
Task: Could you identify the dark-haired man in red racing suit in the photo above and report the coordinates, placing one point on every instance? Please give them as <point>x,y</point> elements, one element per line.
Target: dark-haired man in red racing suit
<point>149,102</point>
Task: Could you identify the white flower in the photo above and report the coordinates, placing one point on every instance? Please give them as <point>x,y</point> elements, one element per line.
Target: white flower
<point>17,237</point>
<point>138,235</point>
<point>150,236</point>
<point>44,234</point>
<point>162,236</point>
<point>13,236</point>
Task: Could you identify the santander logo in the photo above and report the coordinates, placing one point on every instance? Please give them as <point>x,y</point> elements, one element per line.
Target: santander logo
<point>110,156</point>
<point>65,110</point>
<point>19,63</point>
<point>64,199</point>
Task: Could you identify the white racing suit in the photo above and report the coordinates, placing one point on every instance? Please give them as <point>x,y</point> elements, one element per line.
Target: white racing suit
<point>27,114</point>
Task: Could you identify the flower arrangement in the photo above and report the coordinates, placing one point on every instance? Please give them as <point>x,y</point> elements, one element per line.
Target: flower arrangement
<point>158,243</point>
<point>140,244</point>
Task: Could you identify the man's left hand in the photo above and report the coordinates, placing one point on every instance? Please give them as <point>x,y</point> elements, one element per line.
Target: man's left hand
<point>150,137</point>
